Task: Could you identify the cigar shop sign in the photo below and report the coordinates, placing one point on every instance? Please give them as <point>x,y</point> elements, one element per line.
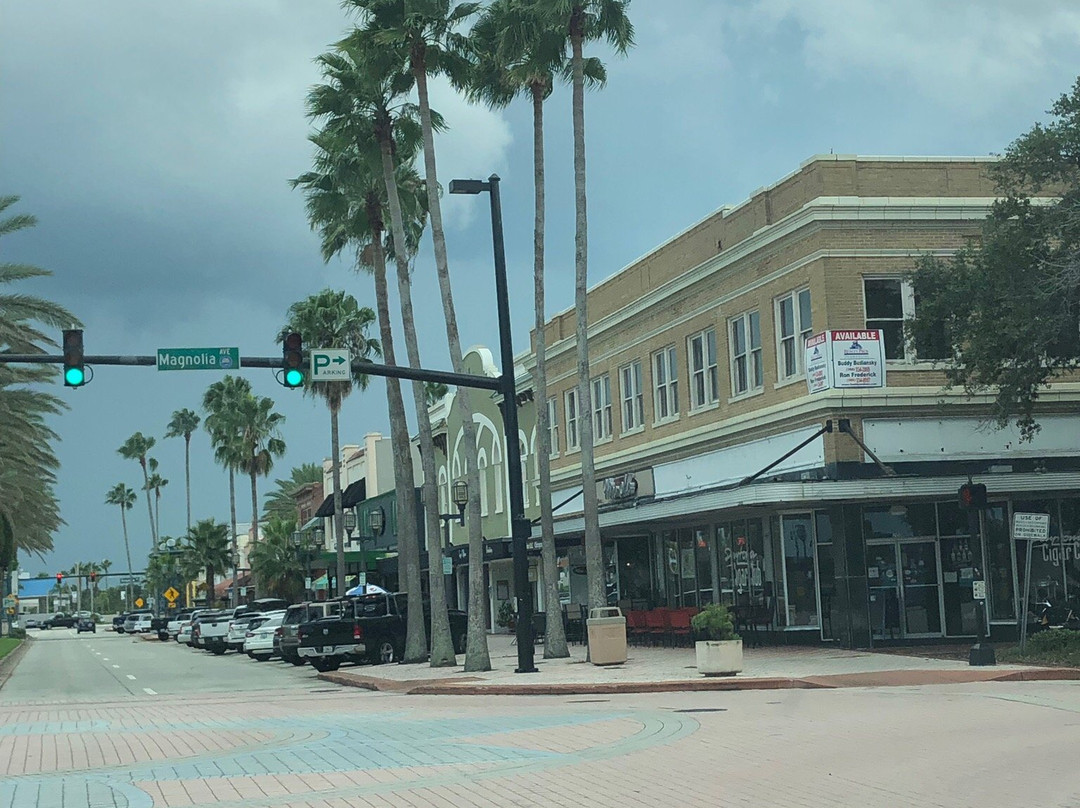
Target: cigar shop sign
<point>845,360</point>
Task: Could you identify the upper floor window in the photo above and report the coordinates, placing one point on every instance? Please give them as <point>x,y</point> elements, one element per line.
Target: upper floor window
<point>601,402</point>
<point>704,382</point>
<point>553,425</point>
<point>793,326</point>
<point>747,373</point>
<point>573,441</point>
<point>665,384</point>
<point>633,401</point>
<point>889,301</point>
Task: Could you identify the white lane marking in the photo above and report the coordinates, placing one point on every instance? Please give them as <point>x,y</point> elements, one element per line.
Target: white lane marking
<point>132,678</point>
<point>116,666</point>
<point>104,659</point>
<point>149,692</point>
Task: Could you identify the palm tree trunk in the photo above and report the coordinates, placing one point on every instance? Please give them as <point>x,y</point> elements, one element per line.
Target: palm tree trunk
<point>234,599</point>
<point>594,553</point>
<point>442,643</point>
<point>408,547</point>
<point>209,583</point>
<point>477,657</point>
<point>127,550</point>
<point>554,637</point>
<point>149,506</point>
<point>187,475</point>
<point>157,508</point>
<point>339,511</point>
<point>254,526</point>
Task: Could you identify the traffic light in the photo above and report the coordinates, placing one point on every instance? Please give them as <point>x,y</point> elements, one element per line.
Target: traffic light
<point>59,578</point>
<point>973,496</point>
<point>74,369</point>
<point>93,577</point>
<point>292,355</point>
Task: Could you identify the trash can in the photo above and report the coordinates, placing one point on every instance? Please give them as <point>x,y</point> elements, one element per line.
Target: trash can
<point>607,636</point>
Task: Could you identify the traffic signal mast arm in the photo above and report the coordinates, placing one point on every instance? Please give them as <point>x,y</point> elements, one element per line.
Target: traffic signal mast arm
<point>276,363</point>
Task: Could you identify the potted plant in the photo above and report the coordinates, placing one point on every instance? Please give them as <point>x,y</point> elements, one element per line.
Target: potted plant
<point>506,617</point>
<point>719,649</point>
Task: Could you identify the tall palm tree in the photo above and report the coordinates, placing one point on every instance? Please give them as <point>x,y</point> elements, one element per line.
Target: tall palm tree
<point>125,497</point>
<point>206,548</point>
<point>137,447</point>
<point>220,402</point>
<point>183,424</point>
<point>587,21</point>
<point>275,561</point>
<point>28,463</point>
<point>334,319</point>
<point>347,202</point>
<point>260,443</point>
<point>518,50</point>
<point>425,41</point>
<point>280,502</point>
<point>155,483</point>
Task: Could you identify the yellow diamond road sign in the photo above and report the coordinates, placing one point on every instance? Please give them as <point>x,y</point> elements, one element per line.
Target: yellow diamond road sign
<point>171,594</point>
<point>139,603</point>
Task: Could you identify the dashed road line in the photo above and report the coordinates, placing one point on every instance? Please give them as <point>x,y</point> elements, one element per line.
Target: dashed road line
<point>116,666</point>
<point>149,692</point>
<point>132,678</point>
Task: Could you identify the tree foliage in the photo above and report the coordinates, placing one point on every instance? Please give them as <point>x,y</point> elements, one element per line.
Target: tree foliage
<point>1005,313</point>
<point>276,562</point>
<point>279,502</point>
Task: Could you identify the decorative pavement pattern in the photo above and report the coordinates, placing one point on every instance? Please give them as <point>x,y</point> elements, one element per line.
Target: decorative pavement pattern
<point>289,749</point>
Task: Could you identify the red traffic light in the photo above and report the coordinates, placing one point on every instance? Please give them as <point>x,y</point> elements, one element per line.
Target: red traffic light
<point>59,578</point>
<point>93,576</point>
<point>972,496</point>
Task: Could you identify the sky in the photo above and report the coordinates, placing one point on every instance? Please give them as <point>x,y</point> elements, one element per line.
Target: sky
<point>155,141</point>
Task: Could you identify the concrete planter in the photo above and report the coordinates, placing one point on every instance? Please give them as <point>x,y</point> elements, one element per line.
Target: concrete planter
<point>719,657</point>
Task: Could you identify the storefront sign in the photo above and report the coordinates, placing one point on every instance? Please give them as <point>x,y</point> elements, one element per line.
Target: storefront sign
<point>1031,526</point>
<point>845,360</point>
<point>978,590</point>
<point>625,487</point>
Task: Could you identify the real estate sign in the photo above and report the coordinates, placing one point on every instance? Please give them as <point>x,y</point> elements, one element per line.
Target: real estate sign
<point>845,360</point>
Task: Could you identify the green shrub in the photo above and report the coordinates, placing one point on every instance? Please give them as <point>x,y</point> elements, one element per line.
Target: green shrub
<point>18,633</point>
<point>506,616</point>
<point>714,622</point>
<point>1056,646</point>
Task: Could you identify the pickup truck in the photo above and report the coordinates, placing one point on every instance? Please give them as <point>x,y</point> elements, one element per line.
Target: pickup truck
<point>371,628</point>
<point>213,631</point>
<point>297,615</point>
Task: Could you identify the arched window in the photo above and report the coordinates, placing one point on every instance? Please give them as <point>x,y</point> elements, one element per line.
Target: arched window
<point>444,490</point>
<point>525,472</point>
<point>498,477</point>
<point>482,468</point>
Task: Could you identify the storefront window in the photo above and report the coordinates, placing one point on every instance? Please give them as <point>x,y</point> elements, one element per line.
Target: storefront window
<point>687,569</point>
<point>1070,531</point>
<point>634,569</point>
<point>725,567</point>
<point>999,572</point>
<point>826,575</point>
<point>706,566</point>
<point>899,521</point>
<point>670,567</point>
<point>961,565</point>
<point>798,542</point>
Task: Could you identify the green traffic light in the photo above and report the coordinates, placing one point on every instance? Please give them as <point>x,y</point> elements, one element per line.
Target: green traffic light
<point>294,378</point>
<point>74,377</point>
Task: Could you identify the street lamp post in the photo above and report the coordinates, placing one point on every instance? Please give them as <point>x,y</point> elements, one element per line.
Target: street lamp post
<point>520,527</point>
<point>349,519</point>
<point>460,495</point>
<point>376,523</point>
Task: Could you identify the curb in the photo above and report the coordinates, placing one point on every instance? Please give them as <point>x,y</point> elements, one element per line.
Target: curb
<point>11,661</point>
<point>473,686</point>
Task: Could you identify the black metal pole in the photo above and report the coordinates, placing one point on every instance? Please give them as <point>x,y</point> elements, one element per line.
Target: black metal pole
<point>520,527</point>
<point>448,579</point>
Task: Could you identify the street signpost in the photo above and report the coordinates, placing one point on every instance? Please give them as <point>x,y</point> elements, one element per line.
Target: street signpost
<point>1031,527</point>
<point>330,365</point>
<point>198,358</point>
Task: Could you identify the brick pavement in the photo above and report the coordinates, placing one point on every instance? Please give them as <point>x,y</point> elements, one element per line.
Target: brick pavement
<point>990,744</point>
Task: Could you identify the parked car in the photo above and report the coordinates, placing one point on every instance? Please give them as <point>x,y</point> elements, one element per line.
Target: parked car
<point>86,624</point>
<point>136,618</point>
<point>209,629</point>
<point>371,628</point>
<point>183,634</point>
<point>31,621</point>
<point>172,628</point>
<point>259,642</point>
<point>239,628</point>
<point>288,642</point>
<point>118,622</point>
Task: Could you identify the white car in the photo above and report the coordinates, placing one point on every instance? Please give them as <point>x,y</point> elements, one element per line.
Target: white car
<point>174,625</point>
<point>259,642</point>
<point>239,627</point>
<point>183,634</point>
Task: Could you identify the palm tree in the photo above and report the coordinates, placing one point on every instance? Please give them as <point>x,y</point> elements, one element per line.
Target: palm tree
<point>155,483</point>
<point>275,561</point>
<point>183,424</point>
<point>220,404</point>
<point>206,548</point>
<point>136,448</point>
<point>347,203</point>
<point>425,41</point>
<point>335,320</point>
<point>587,21</point>
<point>28,463</point>
<point>260,442</point>
<point>280,502</point>
<point>125,497</point>
<point>518,50</point>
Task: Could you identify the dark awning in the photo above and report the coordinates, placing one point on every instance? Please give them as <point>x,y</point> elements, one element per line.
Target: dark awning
<point>352,496</point>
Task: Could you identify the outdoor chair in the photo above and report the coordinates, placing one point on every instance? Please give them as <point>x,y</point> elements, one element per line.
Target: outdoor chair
<point>635,627</point>
<point>539,626</point>
<point>679,625</point>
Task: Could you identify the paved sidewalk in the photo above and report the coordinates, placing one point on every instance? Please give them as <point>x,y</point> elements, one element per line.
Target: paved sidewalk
<point>649,669</point>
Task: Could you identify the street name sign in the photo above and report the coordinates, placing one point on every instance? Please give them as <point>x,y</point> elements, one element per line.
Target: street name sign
<point>330,365</point>
<point>1031,526</point>
<point>198,358</point>
<point>171,594</point>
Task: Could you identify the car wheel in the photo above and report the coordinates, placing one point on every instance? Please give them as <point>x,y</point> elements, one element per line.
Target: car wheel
<point>461,644</point>
<point>325,664</point>
<point>296,660</point>
<point>217,651</point>
<point>385,653</point>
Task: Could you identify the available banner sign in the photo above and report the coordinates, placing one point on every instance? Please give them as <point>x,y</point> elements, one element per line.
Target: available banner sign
<point>845,360</point>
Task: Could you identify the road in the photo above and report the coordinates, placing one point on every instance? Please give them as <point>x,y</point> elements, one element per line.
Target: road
<point>224,731</point>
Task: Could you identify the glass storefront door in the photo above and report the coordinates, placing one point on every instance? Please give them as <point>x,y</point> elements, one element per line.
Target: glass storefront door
<point>905,595</point>
<point>884,583</point>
